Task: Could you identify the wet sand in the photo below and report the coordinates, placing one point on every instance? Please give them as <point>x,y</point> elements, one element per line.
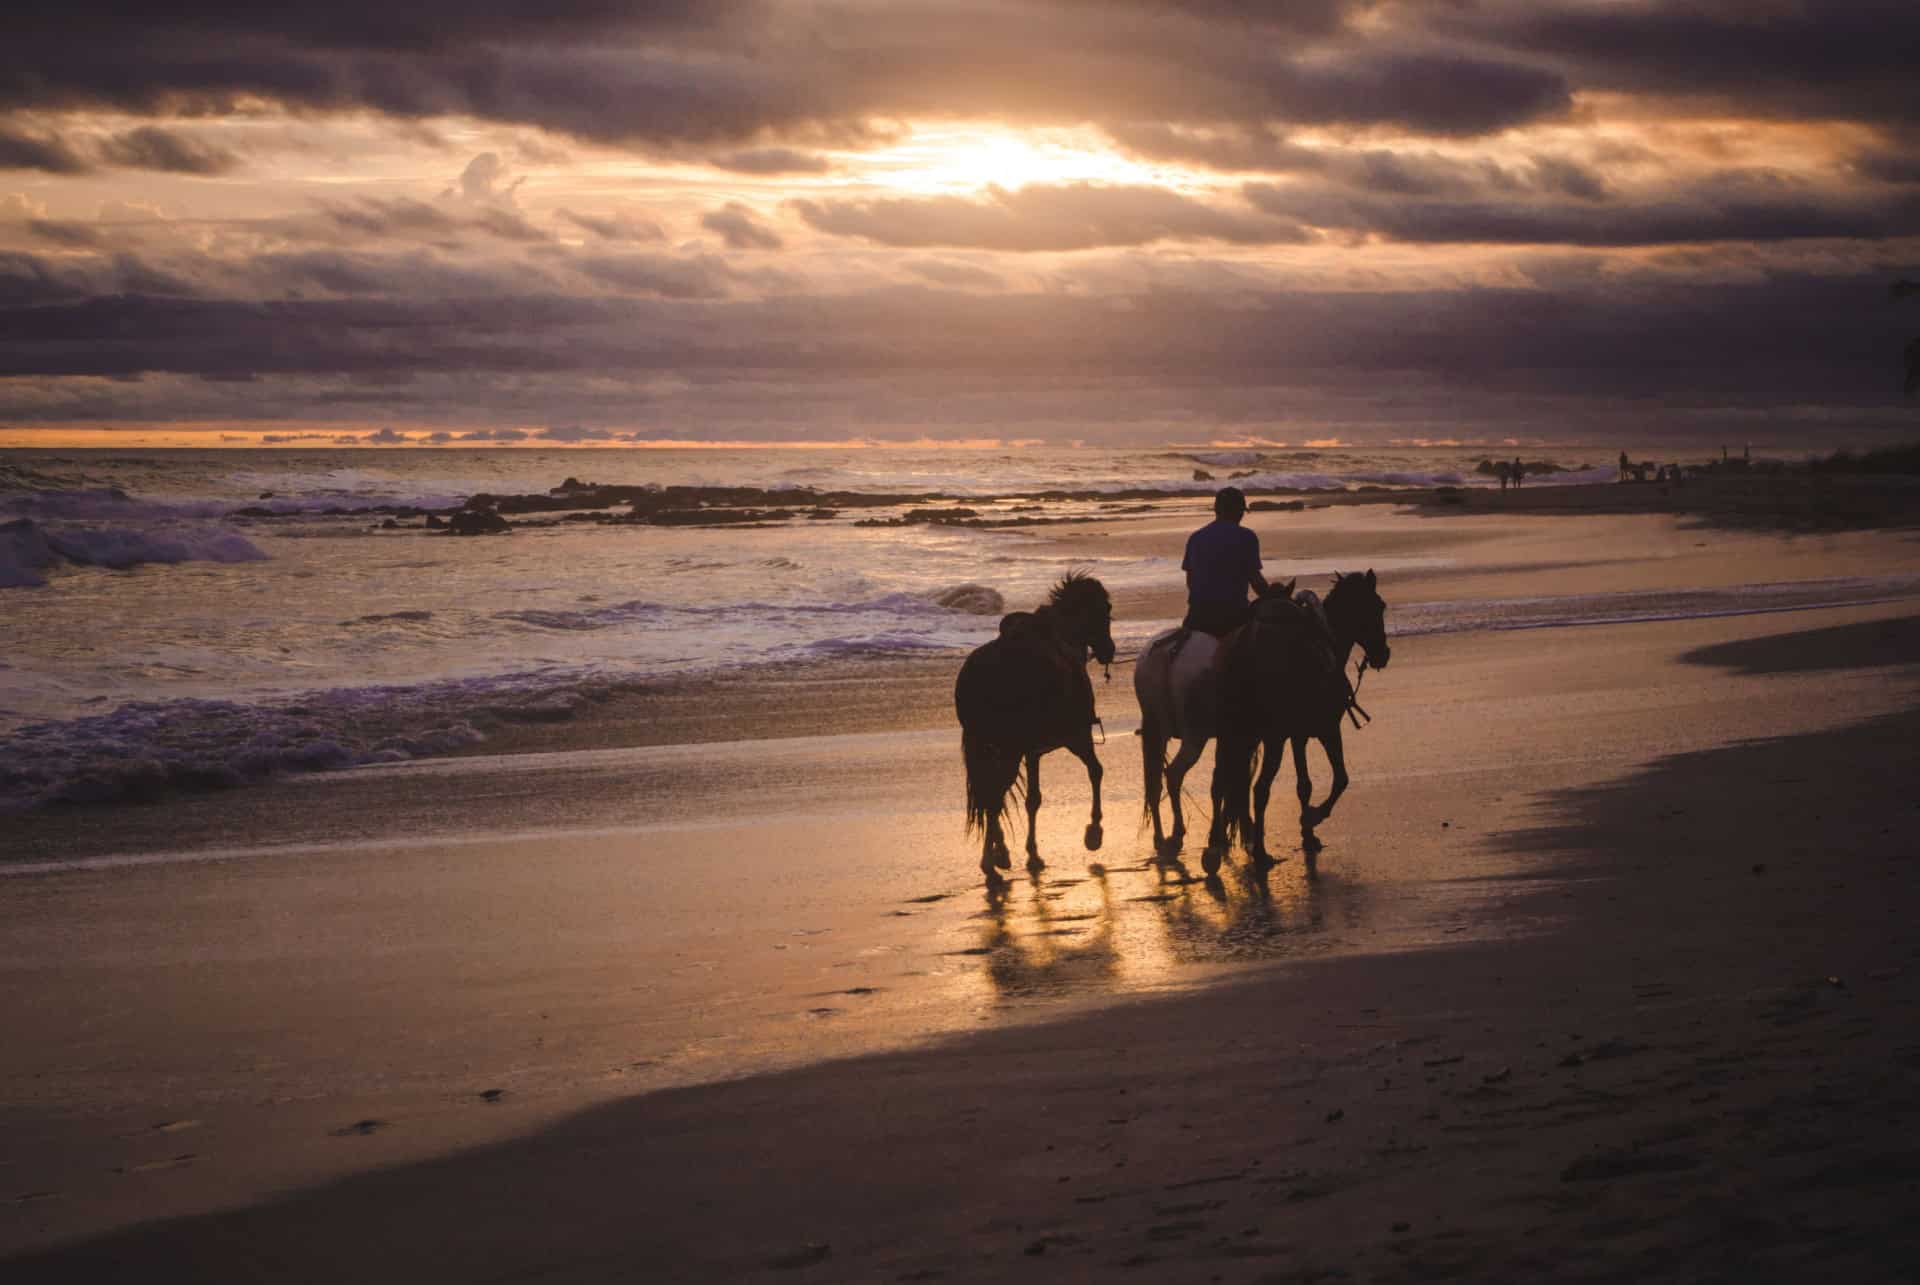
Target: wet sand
<point>1553,1003</point>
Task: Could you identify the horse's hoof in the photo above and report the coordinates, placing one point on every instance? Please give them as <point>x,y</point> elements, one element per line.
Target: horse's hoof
<point>1094,836</point>
<point>1210,859</point>
<point>1310,843</point>
<point>1035,865</point>
<point>1002,860</point>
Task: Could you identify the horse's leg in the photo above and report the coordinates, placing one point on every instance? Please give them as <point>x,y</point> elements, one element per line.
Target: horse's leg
<point>1227,794</point>
<point>1303,786</point>
<point>1034,862</point>
<point>1273,750</point>
<point>1190,750</point>
<point>993,849</point>
<point>1153,759</point>
<point>1337,758</point>
<point>1083,750</point>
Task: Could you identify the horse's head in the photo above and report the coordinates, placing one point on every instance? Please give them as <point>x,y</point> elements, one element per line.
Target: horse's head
<point>1083,604</point>
<point>1358,614</point>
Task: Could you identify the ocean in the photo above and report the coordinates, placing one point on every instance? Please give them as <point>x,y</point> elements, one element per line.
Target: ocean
<point>188,618</point>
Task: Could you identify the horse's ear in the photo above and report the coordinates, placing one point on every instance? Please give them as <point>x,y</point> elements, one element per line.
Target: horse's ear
<point>1371,582</point>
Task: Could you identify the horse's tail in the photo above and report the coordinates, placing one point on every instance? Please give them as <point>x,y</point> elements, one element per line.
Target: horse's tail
<point>992,774</point>
<point>1153,763</point>
<point>1236,759</point>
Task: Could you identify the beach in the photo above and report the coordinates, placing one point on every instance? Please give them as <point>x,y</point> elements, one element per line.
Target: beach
<point>1605,971</point>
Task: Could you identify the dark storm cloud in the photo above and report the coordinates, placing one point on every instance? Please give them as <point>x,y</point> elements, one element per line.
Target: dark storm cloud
<point>1078,216</point>
<point>23,151</point>
<point>404,218</point>
<point>574,433</point>
<point>76,236</point>
<point>27,280</point>
<point>688,74</point>
<point>1727,208</point>
<point>1797,338</point>
<point>151,148</point>
<point>668,276</point>
<point>616,227</point>
<point>740,228</point>
<point>1890,164</point>
<point>945,273</point>
<point>1822,59</point>
<point>772,160</point>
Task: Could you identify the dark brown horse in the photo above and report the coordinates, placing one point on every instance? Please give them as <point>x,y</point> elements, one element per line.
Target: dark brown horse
<point>1023,694</point>
<point>1283,681</point>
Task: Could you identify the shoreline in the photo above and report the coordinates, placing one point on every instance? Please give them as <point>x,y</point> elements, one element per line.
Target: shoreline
<point>1499,547</point>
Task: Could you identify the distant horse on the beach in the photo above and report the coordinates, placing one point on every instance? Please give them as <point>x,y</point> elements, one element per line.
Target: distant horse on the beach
<point>1176,687</point>
<point>1023,694</point>
<point>1283,681</point>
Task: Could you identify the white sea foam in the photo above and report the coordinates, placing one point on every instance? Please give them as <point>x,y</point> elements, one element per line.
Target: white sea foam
<point>28,550</point>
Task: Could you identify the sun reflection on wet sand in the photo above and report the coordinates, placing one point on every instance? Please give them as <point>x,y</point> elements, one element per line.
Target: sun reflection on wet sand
<point>1101,931</point>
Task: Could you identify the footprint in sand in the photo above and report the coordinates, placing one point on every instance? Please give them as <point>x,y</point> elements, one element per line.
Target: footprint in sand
<point>359,1129</point>
<point>153,1166</point>
<point>822,1012</point>
<point>929,899</point>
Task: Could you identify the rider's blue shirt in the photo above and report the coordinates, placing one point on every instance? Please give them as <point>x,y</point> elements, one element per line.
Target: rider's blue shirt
<point>1222,559</point>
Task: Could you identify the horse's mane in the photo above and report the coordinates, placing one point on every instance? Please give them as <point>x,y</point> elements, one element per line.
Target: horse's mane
<point>1075,584</point>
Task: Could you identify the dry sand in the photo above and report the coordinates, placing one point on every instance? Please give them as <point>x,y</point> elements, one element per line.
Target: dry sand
<point>1606,972</point>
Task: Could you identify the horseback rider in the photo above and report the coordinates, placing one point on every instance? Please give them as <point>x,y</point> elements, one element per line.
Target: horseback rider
<point>1222,563</point>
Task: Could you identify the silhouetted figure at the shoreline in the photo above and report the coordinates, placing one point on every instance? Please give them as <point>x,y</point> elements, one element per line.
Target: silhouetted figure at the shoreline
<point>1222,563</point>
<point>1519,472</point>
<point>1626,465</point>
<point>1504,472</point>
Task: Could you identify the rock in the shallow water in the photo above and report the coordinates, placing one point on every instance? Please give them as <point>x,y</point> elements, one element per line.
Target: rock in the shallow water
<point>435,522</point>
<point>977,599</point>
<point>478,522</point>
<point>1201,475</point>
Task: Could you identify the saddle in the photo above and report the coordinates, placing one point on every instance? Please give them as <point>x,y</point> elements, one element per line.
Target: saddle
<point>1305,616</point>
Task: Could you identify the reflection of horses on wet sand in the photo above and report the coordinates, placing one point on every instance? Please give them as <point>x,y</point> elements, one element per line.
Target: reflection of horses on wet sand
<point>1283,681</point>
<point>1026,693</point>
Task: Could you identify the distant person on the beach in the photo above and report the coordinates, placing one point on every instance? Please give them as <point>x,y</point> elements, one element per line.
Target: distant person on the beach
<point>1625,464</point>
<point>1222,564</point>
<point>1519,472</point>
<point>1504,473</point>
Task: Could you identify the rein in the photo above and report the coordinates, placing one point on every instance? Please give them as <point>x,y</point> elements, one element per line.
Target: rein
<point>1354,711</point>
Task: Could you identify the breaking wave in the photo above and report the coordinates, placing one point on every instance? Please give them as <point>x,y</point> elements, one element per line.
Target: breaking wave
<point>28,550</point>
<point>145,749</point>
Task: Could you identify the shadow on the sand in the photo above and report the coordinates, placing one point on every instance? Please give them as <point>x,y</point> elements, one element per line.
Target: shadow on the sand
<point>1868,645</point>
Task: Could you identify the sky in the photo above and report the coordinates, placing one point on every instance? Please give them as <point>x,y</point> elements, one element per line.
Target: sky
<point>1112,220</point>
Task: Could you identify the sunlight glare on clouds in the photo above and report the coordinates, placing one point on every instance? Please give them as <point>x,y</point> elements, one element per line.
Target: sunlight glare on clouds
<point>948,159</point>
